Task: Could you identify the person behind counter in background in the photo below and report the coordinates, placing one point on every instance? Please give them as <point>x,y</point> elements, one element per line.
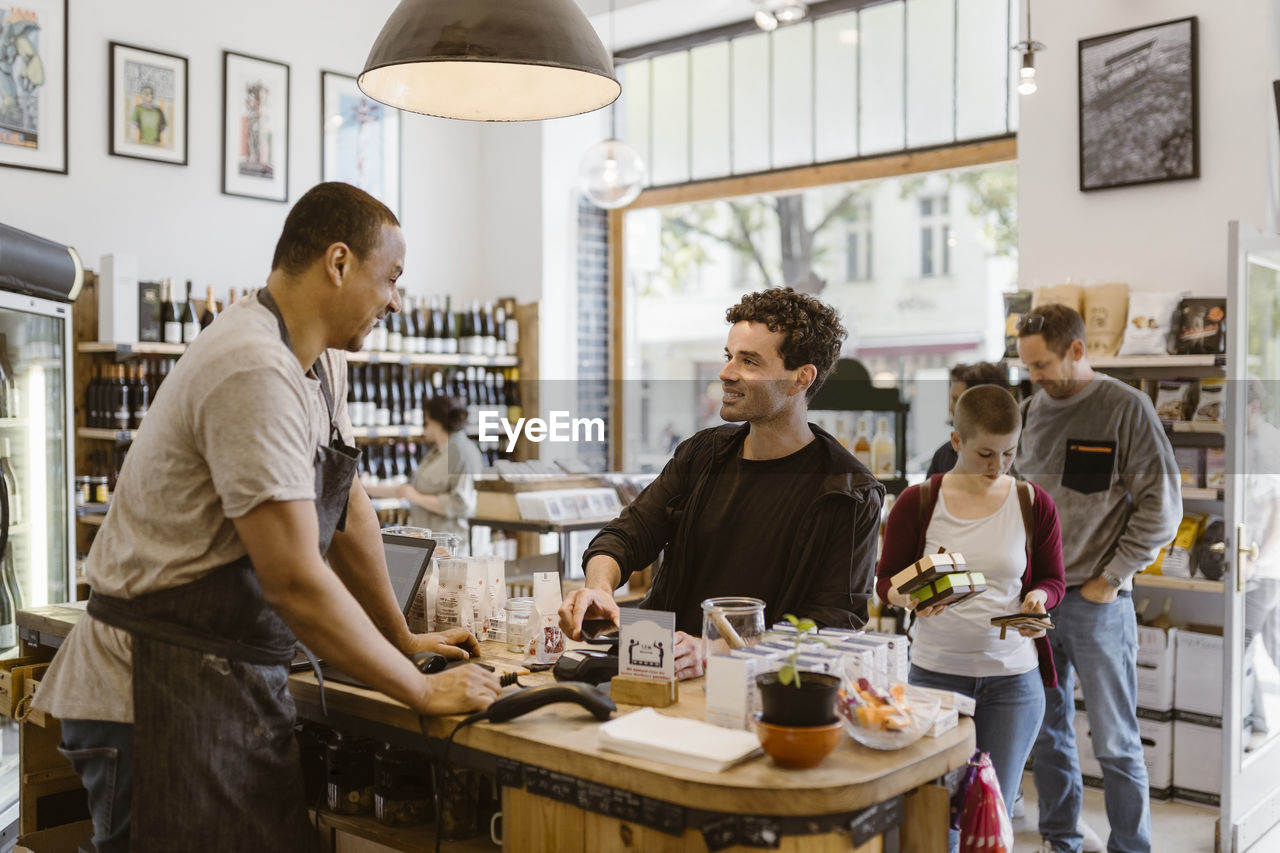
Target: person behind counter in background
<point>1097,447</point>
<point>774,508</point>
<point>173,693</point>
<point>978,510</point>
<point>964,377</point>
<point>442,491</point>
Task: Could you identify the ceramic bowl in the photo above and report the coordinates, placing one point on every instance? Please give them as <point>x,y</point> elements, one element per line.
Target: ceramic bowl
<point>799,747</point>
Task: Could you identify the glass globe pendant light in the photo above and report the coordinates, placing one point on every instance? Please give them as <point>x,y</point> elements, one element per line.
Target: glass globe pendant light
<point>611,173</point>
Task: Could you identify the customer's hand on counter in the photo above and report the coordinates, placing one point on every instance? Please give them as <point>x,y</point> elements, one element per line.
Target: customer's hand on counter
<point>455,644</point>
<point>586,603</point>
<point>458,691</point>
<point>688,656</point>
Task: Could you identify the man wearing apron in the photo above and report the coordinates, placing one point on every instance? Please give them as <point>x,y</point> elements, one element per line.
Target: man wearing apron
<point>210,565</point>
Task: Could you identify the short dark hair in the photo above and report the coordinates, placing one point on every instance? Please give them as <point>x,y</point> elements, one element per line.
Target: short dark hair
<point>449,412</point>
<point>812,333</point>
<point>980,373</point>
<point>1059,324</point>
<point>330,213</point>
<point>987,408</point>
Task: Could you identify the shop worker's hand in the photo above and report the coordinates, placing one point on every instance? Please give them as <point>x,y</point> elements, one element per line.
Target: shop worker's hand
<point>455,644</point>
<point>688,656</point>
<point>1033,602</point>
<point>458,691</point>
<point>586,603</point>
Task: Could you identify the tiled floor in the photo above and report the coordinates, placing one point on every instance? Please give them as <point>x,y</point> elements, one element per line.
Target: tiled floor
<point>1175,828</point>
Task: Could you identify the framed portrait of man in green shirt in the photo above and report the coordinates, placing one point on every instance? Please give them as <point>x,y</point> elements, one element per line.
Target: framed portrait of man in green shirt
<point>148,104</point>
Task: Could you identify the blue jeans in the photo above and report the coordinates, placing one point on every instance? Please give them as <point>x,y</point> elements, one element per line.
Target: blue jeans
<point>1006,719</point>
<point>1100,641</point>
<point>101,753</point>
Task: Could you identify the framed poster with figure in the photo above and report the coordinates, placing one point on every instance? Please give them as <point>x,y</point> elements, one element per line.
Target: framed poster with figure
<point>1139,106</point>
<point>255,127</point>
<point>359,139</point>
<point>148,109</point>
<point>33,85</point>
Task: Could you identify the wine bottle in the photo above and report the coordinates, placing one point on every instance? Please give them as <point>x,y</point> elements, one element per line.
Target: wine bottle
<point>121,412</point>
<point>190,328</point>
<point>395,331</point>
<point>515,408</point>
<point>513,330</point>
<point>139,396</point>
<point>433,343</point>
<point>383,398</point>
<point>500,330</point>
<point>11,483</point>
<point>450,330</point>
<point>210,312</point>
<point>422,316</point>
<point>8,610</point>
<point>171,314</point>
<point>490,333</point>
<point>396,400</point>
<point>355,405</point>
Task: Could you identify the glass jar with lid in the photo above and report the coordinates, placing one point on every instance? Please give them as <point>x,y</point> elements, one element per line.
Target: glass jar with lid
<point>402,787</point>
<point>518,611</point>
<point>349,775</point>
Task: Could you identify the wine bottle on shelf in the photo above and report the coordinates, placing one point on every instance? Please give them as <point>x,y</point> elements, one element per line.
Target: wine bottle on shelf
<point>121,413</point>
<point>395,331</point>
<point>421,318</point>
<point>190,328</point>
<point>515,408</point>
<point>450,331</point>
<point>500,330</point>
<point>171,314</point>
<point>431,336</point>
<point>395,401</point>
<point>513,330</point>
<point>139,396</point>
<point>355,405</point>
<point>8,612</point>
<point>490,333</point>
<point>10,482</point>
<point>383,411</point>
<point>210,312</point>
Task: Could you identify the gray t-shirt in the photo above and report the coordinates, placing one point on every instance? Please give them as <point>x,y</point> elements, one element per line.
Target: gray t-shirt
<point>236,424</point>
<point>1104,458</point>
<point>449,473</point>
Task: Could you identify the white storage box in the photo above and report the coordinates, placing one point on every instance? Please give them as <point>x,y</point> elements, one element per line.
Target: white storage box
<point>1157,653</point>
<point>1197,683</point>
<point>1197,764</point>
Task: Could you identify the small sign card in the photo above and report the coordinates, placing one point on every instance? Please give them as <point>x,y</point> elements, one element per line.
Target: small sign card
<point>646,645</point>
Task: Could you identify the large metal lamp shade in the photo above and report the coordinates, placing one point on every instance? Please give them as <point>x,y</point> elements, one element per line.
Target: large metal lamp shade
<point>490,60</point>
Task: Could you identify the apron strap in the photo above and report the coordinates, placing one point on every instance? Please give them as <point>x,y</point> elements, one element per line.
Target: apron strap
<point>268,301</point>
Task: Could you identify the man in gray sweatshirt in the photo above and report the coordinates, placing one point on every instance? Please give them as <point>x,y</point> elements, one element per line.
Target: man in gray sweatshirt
<point>1096,445</point>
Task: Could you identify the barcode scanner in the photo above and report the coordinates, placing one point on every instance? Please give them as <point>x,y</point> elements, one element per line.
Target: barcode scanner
<point>521,702</point>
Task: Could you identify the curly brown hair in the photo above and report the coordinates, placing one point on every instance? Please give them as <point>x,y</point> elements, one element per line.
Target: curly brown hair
<point>812,329</point>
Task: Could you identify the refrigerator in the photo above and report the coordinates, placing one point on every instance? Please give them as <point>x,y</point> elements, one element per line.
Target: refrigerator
<point>37,510</point>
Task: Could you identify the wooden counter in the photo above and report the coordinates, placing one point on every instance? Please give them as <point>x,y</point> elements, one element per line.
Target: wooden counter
<point>562,794</point>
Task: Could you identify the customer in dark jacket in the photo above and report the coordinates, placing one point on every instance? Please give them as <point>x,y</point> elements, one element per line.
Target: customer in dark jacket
<point>964,377</point>
<point>775,508</point>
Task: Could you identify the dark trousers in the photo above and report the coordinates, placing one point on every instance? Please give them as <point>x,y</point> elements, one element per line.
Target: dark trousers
<point>102,754</point>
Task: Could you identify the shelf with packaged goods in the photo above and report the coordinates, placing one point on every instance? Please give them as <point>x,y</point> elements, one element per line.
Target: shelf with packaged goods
<point>1195,493</point>
<point>433,359</point>
<point>1166,582</point>
<point>91,520</point>
<point>119,435</point>
<point>1154,366</point>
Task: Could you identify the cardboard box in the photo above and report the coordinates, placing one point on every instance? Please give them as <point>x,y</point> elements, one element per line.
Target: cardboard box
<point>1157,653</point>
<point>1197,683</point>
<point>67,838</point>
<point>1197,764</point>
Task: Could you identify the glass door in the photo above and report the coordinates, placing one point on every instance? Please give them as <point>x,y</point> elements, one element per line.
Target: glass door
<point>1251,632</point>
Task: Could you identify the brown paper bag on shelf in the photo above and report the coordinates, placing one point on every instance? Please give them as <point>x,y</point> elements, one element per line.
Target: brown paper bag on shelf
<point>1106,306</point>
<point>1071,295</point>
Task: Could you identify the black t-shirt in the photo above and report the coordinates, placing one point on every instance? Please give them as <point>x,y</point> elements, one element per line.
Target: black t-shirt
<point>746,529</point>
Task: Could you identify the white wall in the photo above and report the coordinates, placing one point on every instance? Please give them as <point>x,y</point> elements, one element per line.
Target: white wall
<point>175,218</point>
<point>1169,236</point>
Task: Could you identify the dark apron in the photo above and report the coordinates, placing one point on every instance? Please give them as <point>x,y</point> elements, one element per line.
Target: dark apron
<point>215,762</point>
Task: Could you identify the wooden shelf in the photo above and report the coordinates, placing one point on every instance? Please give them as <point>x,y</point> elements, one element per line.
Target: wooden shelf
<point>1194,493</point>
<point>1165,582</point>
<point>91,520</point>
<point>441,360</point>
<point>139,348</point>
<point>401,431</point>
<point>121,435</point>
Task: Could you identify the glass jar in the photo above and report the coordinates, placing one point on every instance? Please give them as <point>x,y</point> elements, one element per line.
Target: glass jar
<point>313,744</point>
<point>459,803</point>
<point>349,775</point>
<point>401,787</point>
<point>406,530</point>
<point>83,491</point>
<point>518,611</point>
<point>730,623</point>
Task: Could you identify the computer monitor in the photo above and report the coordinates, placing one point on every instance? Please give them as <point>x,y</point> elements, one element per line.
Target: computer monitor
<point>407,561</point>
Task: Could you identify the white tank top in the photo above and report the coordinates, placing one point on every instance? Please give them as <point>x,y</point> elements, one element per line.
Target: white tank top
<point>961,640</point>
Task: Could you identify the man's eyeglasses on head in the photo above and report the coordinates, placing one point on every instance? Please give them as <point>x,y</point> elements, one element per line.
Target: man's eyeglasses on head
<point>1030,323</point>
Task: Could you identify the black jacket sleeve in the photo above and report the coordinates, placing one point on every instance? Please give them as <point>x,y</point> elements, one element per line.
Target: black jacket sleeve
<point>845,562</point>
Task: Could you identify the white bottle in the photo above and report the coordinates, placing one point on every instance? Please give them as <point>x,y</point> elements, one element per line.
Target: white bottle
<point>862,442</point>
<point>883,457</point>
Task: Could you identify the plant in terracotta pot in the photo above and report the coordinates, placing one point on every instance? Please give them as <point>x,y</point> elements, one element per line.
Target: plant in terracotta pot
<point>798,725</point>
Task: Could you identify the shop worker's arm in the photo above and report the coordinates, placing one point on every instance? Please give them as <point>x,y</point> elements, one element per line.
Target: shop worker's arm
<point>359,559</point>
<point>280,537</point>
<point>845,566</point>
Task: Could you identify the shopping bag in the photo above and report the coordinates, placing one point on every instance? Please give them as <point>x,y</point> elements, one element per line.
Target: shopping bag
<point>984,823</point>
<point>966,781</point>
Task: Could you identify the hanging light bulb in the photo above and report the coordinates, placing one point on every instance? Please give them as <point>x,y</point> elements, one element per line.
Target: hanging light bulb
<point>611,173</point>
<point>790,13</point>
<point>765,20</point>
<point>1028,48</point>
<point>770,14</point>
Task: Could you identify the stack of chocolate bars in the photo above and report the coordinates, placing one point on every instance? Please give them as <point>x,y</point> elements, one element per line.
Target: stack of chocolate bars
<point>939,579</point>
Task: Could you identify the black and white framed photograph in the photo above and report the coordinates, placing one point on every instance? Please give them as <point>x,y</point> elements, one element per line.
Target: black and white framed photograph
<point>148,111</point>
<point>1139,106</point>
<point>33,85</point>
<point>255,127</point>
<point>359,139</point>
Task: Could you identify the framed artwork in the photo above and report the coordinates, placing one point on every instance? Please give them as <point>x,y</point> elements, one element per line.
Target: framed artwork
<point>255,127</point>
<point>359,139</point>
<point>148,110</point>
<point>33,85</point>
<point>1140,106</point>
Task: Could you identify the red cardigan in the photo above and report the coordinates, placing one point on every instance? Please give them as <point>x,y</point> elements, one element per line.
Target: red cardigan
<point>904,544</point>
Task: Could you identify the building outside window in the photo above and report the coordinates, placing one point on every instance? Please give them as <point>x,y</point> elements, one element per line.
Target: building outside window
<point>858,245</point>
<point>936,240</point>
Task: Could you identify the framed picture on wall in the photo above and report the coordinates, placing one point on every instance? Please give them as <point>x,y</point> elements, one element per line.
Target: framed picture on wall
<point>1139,106</point>
<point>359,139</point>
<point>33,85</point>
<point>148,109</point>
<point>255,127</point>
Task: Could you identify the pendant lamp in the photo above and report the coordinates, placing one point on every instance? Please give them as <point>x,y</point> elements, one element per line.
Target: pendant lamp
<point>490,60</point>
<point>611,173</point>
<point>1028,48</point>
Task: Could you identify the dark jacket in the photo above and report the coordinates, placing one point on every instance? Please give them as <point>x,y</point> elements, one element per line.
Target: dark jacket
<point>904,544</point>
<point>665,516</point>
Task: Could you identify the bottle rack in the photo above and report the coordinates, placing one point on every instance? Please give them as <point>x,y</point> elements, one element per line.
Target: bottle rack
<point>849,389</point>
